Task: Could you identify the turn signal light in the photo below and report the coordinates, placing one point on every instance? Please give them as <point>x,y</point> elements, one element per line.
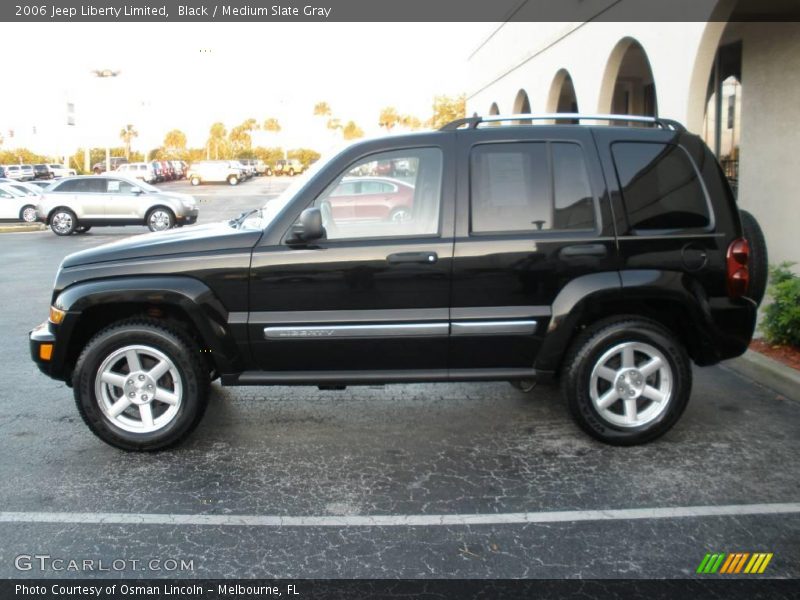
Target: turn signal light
<point>46,351</point>
<point>56,315</point>
<point>738,273</point>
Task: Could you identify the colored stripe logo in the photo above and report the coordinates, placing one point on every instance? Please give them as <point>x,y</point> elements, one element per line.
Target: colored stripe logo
<point>733,563</point>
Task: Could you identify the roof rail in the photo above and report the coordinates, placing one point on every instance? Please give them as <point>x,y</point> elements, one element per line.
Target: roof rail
<point>474,121</point>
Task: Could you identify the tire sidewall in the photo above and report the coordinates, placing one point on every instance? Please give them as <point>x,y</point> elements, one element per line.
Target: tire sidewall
<point>579,379</point>
<point>66,212</point>
<point>164,209</point>
<point>192,403</point>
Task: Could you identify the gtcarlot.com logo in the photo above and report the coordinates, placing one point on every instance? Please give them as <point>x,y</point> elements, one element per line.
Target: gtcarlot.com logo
<point>734,563</point>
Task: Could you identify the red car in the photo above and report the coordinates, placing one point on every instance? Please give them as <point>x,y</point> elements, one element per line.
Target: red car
<point>372,198</point>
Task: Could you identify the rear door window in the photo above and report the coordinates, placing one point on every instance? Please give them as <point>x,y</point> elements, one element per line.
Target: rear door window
<point>530,186</point>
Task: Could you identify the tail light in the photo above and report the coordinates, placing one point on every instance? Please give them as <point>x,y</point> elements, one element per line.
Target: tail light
<point>738,273</point>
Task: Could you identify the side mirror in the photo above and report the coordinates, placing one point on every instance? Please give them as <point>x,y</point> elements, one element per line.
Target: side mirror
<point>309,227</point>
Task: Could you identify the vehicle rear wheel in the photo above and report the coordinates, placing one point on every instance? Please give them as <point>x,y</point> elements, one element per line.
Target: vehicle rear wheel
<point>195,181</point>
<point>233,180</point>
<point>291,172</point>
<point>626,381</point>
<point>758,264</point>
<point>28,214</point>
<point>160,219</point>
<point>63,221</point>
<point>140,385</point>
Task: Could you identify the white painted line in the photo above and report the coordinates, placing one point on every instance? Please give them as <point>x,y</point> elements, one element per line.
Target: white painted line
<point>567,516</point>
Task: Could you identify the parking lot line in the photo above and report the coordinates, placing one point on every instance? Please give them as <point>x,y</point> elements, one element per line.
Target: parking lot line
<point>520,518</point>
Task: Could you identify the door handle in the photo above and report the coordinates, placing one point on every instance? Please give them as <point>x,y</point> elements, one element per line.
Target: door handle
<point>580,250</point>
<point>427,258</point>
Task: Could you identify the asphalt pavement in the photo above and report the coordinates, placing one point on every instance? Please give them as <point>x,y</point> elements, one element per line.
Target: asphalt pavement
<point>448,480</point>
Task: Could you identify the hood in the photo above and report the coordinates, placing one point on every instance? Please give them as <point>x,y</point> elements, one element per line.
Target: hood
<point>196,239</point>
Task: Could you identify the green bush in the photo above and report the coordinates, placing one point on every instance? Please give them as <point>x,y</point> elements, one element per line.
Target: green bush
<point>782,318</point>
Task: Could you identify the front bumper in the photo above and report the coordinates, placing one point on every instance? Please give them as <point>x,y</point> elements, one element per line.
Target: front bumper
<point>44,334</point>
<point>189,217</point>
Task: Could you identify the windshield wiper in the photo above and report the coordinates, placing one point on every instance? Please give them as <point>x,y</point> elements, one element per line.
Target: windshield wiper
<point>237,221</point>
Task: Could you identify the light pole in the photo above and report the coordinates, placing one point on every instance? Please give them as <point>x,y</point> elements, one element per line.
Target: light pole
<point>106,74</point>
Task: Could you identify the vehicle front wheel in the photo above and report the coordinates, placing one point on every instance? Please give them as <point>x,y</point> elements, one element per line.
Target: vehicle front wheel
<point>28,214</point>
<point>140,385</point>
<point>626,381</point>
<point>195,181</point>
<point>63,221</point>
<point>233,180</point>
<point>160,219</point>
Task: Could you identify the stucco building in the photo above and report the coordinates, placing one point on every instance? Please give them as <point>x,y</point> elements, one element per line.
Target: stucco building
<point>730,79</point>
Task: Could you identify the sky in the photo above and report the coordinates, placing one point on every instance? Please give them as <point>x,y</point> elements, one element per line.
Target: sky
<point>189,75</point>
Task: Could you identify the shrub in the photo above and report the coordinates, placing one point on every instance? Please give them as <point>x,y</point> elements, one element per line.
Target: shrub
<point>782,318</point>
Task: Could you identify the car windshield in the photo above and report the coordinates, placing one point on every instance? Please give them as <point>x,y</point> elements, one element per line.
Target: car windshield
<point>12,191</point>
<point>146,187</point>
<point>262,217</point>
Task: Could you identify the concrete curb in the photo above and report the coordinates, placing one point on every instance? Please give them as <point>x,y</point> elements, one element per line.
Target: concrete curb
<point>22,228</point>
<point>768,372</point>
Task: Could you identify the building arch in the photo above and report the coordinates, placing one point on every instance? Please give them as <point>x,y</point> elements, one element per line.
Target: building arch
<point>561,98</point>
<point>628,86</point>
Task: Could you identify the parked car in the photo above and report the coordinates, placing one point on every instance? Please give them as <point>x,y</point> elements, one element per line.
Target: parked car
<point>168,170</point>
<point>42,184</point>
<point>42,171</point>
<point>607,257</point>
<point>138,170</point>
<point>158,171</point>
<point>180,168</point>
<point>289,167</point>
<point>115,161</point>
<point>214,171</point>
<point>27,173</point>
<point>372,198</point>
<point>61,170</point>
<point>79,203</point>
<point>27,188</point>
<point>16,205</point>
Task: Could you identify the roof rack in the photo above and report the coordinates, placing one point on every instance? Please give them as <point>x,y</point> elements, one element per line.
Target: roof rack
<point>475,120</point>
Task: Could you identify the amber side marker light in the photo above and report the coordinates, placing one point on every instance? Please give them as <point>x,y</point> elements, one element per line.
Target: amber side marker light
<point>56,315</point>
<point>46,351</point>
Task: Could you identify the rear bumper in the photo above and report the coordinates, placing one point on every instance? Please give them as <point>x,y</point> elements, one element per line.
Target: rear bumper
<point>726,331</point>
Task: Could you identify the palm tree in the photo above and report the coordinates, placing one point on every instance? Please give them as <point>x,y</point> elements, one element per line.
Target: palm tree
<point>322,109</point>
<point>127,134</point>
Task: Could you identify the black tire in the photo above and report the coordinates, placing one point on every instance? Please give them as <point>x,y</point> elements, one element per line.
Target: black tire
<point>63,221</point>
<point>195,181</point>
<point>27,214</point>
<point>233,180</point>
<point>525,386</point>
<point>586,353</point>
<point>759,260</point>
<point>160,218</point>
<point>82,229</point>
<point>185,357</point>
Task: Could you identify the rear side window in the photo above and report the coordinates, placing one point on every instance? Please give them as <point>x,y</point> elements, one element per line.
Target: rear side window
<point>661,188</point>
<point>530,186</point>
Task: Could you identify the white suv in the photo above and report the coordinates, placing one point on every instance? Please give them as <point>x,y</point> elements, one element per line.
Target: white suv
<point>219,171</point>
<point>138,170</point>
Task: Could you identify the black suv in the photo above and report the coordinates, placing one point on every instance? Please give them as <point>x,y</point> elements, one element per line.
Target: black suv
<point>609,257</point>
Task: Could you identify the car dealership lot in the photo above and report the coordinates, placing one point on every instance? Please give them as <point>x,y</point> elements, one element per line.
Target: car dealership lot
<point>462,480</point>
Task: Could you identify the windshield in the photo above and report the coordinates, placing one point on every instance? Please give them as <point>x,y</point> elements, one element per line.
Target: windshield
<point>260,218</point>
